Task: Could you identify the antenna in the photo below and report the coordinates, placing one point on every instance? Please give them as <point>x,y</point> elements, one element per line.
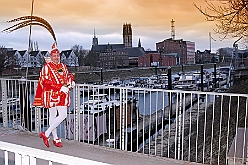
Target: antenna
<point>172,29</point>
<point>210,39</point>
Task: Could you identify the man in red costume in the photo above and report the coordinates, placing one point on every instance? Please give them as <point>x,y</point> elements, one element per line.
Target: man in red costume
<point>53,92</point>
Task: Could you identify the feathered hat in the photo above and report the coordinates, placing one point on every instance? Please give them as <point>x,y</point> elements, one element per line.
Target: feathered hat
<point>55,49</point>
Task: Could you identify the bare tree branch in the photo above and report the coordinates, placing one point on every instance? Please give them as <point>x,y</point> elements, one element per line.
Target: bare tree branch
<point>231,17</point>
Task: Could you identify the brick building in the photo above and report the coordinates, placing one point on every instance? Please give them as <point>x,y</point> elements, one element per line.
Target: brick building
<point>184,49</point>
<point>205,57</point>
<point>158,59</point>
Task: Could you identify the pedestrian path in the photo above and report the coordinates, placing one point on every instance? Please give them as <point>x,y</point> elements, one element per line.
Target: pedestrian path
<point>82,150</point>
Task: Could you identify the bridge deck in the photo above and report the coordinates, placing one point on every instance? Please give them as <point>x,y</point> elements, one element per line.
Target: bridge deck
<point>82,150</point>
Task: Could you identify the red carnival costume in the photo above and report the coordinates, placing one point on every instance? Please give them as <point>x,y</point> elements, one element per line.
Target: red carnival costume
<point>53,92</point>
<point>52,78</point>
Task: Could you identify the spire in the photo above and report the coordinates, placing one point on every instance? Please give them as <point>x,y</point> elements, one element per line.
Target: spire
<point>139,43</point>
<point>95,39</point>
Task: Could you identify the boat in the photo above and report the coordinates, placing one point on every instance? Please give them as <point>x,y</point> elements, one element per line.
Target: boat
<point>186,82</point>
<point>110,86</point>
<point>130,85</point>
<point>220,80</point>
<point>98,103</point>
<point>207,79</point>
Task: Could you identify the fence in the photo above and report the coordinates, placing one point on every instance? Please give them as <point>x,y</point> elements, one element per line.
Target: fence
<point>203,127</point>
<point>30,156</point>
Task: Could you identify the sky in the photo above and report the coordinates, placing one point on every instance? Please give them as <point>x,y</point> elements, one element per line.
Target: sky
<point>74,22</point>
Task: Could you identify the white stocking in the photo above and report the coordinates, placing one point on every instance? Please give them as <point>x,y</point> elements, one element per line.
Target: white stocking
<point>52,116</point>
<point>56,120</point>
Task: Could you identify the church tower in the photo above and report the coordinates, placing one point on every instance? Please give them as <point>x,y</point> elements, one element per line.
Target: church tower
<point>127,35</point>
<point>95,40</point>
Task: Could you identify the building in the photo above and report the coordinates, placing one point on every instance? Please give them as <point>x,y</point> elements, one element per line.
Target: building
<point>184,49</point>
<point>127,35</point>
<point>134,53</point>
<point>227,54</point>
<point>205,57</point>
<point>36,59</point>
<point>69,58</point>
<point>109,55</point>
<point>158,59</point>
<point>190,52</point>
<point>116,55</point>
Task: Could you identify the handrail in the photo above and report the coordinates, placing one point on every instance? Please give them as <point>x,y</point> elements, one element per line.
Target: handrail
<point>33,153</point>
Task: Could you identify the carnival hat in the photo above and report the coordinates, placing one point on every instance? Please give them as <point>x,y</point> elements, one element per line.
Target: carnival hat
<point>55,49</point>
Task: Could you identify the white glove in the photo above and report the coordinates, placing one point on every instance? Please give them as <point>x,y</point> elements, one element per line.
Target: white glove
<point>64,89</point>
<point>71,85</point>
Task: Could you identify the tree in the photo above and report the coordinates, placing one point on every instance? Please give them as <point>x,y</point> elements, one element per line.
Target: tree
<point>92,59</point>
<point>81,53</point>
<point>11,60</point>
<point>231,17</point>
<point>226,52</point>
<point>40,60</point>
<point>3,55</point>
<point>214,60</point>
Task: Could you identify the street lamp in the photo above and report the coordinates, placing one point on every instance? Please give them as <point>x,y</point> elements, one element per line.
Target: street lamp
<point>235,49</point>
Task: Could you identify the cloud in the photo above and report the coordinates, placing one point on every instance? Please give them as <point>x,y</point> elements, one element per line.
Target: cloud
<point>74,22</point>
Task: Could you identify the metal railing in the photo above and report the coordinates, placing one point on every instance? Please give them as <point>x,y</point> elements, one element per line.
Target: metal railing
<point>203,127</point>
<point>31,156</point>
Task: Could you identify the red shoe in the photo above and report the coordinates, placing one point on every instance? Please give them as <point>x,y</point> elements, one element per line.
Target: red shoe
<point>57,143</point>
<point>45,139</point>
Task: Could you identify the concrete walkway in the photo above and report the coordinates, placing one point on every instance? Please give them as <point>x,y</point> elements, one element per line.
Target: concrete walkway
<point>82,150</point>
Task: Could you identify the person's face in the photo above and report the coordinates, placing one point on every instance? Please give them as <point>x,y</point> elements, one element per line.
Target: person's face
<point>55,58</point>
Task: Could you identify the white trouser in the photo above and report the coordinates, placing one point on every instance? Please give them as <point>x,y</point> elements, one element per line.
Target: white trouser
<point>55,120</point>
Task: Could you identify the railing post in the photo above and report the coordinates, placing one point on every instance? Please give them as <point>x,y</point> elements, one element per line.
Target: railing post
<point>37,119</point>
<point>122,115</point>
<point>202,78</point>
<point>76,97</point>
<point>25,159</point>
<point>26,118</point>
<point>179,125</point>
<point>4,103</point>
<point>6,157</point>
<point>169,93</point>
<point>18,159</point>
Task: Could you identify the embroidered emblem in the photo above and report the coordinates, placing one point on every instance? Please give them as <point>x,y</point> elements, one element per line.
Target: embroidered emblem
<point>60,69</point>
